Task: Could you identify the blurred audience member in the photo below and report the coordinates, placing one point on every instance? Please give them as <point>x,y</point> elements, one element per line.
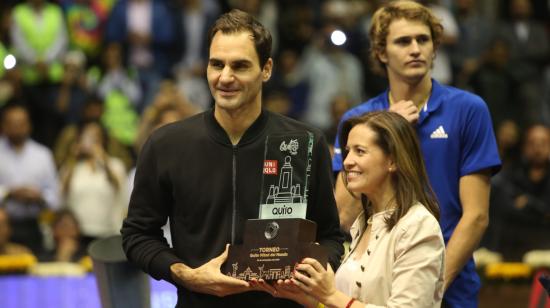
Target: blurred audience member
<point>70,95</point>
<point>7,247</point>
<point>329,70</point>
<point>193,20</point>
<point>68,137</point>
<point>374,83</point>
<point>287,78</point>
<point>121,93</point>
<point>28,178</point>
<point>116,77</point>
<point>86,21</point>
<point>521,199</point>
<point>67,242</point>
<point>167,99</point>
<point>476,33</point>
<point>39,42</point>
<point>508,134</point>
<point>529,52</point>
<point>147,31</point>
<point>494,73</point>
<point>39,37</point>
<point>94,184</point>
<point>74,87</point>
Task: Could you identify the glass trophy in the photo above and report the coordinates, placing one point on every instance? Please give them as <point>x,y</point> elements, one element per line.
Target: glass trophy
<point>281,236</point>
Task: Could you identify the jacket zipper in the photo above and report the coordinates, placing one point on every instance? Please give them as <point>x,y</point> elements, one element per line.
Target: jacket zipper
<point>234,208</point>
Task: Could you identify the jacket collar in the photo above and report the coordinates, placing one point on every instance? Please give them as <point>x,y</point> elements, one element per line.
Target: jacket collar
<point>250,135</point>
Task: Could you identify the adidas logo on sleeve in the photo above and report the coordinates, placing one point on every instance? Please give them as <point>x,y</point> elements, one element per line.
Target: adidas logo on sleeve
<point>439,133</point>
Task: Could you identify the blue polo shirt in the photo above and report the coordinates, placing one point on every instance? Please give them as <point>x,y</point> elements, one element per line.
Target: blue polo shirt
<point>456,136</point>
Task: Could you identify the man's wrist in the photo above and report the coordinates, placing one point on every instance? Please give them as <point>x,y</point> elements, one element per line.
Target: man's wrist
<point>181,273</point>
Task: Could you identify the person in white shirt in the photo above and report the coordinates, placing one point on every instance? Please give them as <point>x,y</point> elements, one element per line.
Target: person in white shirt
<point>397,251</point>
<point>94,184</point>
<point>28,177</point>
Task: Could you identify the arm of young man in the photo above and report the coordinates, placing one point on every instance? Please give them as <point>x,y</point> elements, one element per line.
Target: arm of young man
<point>474,190</point>
<point>348,206</point>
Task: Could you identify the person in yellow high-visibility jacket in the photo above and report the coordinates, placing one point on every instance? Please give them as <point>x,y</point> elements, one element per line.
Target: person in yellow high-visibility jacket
<point>39,36</point>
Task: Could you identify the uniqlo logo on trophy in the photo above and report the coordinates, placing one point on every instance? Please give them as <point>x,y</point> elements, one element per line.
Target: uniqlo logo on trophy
<point>270,167</point>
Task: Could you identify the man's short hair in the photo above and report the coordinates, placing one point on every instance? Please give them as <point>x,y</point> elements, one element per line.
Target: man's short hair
<point>394,10</point>
<point>237,21</point>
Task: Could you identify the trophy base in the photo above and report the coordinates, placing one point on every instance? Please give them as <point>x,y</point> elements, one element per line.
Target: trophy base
<point>272,247</point>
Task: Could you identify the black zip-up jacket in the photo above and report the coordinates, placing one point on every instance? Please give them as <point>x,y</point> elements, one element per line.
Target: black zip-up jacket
<point>189,171</point>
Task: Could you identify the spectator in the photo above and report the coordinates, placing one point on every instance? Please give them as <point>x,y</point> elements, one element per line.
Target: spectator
<point>495,72</point>
<point>68,137</point>
<point>94,184</point>
<point>39,42</point>
<point>116,77</point>
<point>193,19</point>
<point>287,78</point>
<point>70,95</point>
<point>330,71</point>
<point>67,239</point>
<point>147,32</point>
<point>475,35</point>
<point>521,199</point>
<point>39,38</point>
<point>28,177</point>
<point>529,53</point>
<point>121,94</point>
<point>167,103</point>
<point>86,21</point>
<point>508,135</point>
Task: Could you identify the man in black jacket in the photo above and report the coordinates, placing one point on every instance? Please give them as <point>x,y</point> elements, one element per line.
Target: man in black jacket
<point>204,173</point>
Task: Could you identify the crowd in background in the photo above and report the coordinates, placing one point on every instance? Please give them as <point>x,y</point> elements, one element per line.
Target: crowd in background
<point>84,82</point>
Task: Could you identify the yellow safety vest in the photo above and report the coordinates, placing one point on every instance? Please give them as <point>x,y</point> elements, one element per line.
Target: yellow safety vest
<point>120,118</point>
<point>40,38</point>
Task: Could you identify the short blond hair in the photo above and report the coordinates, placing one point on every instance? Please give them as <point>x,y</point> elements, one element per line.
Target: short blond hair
<point>394,10</point>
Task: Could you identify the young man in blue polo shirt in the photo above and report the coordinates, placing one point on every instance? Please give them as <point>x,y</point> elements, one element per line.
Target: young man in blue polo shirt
<point>455,131</point>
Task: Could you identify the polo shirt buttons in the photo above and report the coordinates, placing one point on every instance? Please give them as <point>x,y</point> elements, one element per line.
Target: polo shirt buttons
<point>362,268</point>
<point>368,252</point>
<point>358,284</point>
<point>376,237</point>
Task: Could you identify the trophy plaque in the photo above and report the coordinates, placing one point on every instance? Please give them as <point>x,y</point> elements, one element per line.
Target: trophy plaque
<point>282,236</point>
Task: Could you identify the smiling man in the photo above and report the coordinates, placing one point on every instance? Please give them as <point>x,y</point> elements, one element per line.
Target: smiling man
<point>205,174</point>
<point>455,132</point>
